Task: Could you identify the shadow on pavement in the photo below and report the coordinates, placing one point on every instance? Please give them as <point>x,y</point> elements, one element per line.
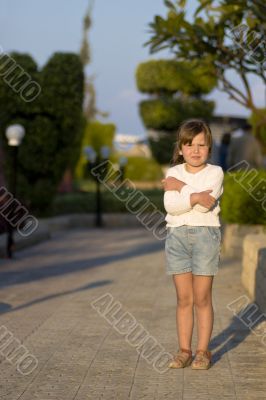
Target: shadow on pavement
<point>240,327</point>
<point>5,307</point>
<point>19,276</point>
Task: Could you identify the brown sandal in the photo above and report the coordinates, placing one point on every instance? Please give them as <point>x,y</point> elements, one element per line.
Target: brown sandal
<point>202,360</point>
<point>181,360</point>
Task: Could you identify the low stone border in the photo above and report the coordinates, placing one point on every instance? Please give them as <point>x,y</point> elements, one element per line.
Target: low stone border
<point>254,268</point>
<point>42,233</point>
<point>234,235</point>
<point>110,220</point>
<point>49,225</point>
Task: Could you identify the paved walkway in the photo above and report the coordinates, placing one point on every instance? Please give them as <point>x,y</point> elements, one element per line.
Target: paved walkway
<point>46,297</point>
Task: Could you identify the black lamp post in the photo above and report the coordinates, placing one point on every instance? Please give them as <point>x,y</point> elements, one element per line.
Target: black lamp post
<point>14,134</point>
<point>94,159</point>
<point>122,165</point>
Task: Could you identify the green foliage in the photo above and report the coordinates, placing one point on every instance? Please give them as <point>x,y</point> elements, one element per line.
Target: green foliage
<point>258,122</point>
<point>143,169</point>
<point>168,113</point>
<point>177,86</point>
<point>53,125</point>
<point>228,35</point>
<point>242,200</point>
<point>90,108</point>
<point>85,203</point>
<point>163,148</point>
<point>171,76</point>
<point>96,135</point>
<point>63,82</point>
<point>12,105</point>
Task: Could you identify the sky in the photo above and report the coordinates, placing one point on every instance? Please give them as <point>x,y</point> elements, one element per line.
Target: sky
<point>120,28</point>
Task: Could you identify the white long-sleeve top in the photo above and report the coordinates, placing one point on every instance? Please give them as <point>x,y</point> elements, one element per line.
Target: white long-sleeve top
<point>177,204</point>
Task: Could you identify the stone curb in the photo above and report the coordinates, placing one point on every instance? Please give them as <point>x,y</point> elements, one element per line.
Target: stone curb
<point>47,226</point>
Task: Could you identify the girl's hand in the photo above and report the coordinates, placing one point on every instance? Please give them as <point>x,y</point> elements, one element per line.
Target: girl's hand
<point>204,198</point>
<point>171,183</point>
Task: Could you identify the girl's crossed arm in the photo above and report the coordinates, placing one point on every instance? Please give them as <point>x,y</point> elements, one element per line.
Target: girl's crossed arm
<point>180,197</point>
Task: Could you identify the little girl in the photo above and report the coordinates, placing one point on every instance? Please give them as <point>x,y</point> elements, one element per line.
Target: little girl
<point>193,244</point>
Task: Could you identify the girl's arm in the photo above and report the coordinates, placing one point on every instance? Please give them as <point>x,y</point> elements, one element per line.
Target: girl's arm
<point>174,203</point>
<point>215,184</point>
<point>180,197</point>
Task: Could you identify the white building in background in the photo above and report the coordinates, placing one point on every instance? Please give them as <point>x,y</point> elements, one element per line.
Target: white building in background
<point>132,145</point>
<point>219,125</point>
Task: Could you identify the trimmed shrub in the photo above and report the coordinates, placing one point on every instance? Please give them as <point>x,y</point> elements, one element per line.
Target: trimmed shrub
<point>85,202</point>
<point>53,125</point>
<point>258,122</point>
<point>176,90</point>
<point>143,169</point>
<point>171,76</point>
<point>167,113</point>
<point>163,148</point>
<point>96,134</point>
<point>244,197</point>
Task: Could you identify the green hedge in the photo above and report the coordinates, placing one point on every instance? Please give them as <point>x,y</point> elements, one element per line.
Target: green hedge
<point>171,76</point>
<point>258,122</point>
<point>163,148</point>
<point>238,204</point>
<point>167,113</point>
<point>53,123</point>
<point>85,202</point>
<point>143,169</point>
<point>96,135</point>
<point>242,200</point>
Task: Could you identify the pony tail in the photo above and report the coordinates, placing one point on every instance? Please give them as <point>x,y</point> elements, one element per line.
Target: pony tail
<point>176,158</point>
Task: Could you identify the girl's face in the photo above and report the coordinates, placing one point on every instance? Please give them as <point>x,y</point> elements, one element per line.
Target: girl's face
<point>196,153</point>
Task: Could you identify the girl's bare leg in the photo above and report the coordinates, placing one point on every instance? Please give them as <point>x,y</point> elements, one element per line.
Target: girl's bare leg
<point>184,311</point>
<point>202,294</point>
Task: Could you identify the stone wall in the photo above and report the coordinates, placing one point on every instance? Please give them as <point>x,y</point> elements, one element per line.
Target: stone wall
<point>254,268</point>
<point>233,235</point>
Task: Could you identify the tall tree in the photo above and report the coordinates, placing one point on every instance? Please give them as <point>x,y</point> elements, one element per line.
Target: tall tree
<point>176,91</point>
<point>53,124</point>
<point>95,132</point>
<point>90,107</point>
<point>228,34</point>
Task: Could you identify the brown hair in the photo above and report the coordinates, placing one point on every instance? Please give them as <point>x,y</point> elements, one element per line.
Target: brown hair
<point>186,133</point>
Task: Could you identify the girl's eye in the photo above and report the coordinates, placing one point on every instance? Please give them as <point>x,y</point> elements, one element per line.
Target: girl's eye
<point>191,145</point>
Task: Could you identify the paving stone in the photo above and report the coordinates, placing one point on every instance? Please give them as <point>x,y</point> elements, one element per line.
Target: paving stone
<point>46,302</point>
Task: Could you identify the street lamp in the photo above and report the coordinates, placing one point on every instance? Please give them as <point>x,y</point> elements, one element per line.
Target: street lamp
<point>94,158</point>
<point>122,164</point>
<point>14,135</point>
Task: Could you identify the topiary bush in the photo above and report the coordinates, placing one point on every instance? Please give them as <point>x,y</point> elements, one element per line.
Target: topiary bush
<point>53,123</point>
<point>176,89</point>
<point>244,197</point>
<point>70,203</point>
<point>96,135</point>
<point>258,122</point>
<point>143,169</point>
<point>171,76</point>
<point>167,113</point>
<point>163,148</point>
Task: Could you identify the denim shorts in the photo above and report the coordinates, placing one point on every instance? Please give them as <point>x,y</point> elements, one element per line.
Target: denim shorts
<point>193,249</point>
